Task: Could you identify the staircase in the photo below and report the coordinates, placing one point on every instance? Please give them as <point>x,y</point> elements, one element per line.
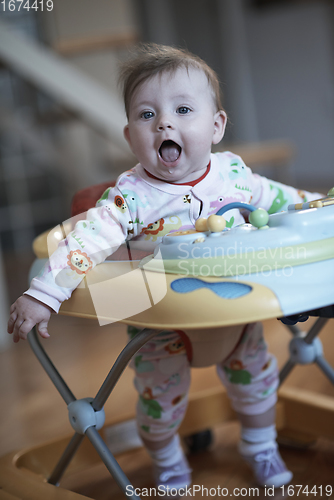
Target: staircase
<point>71,88</point>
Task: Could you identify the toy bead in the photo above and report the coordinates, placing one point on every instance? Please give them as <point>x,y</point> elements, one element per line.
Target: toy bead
<point>331,192</point>
<point>201,225</point>
<point>216,223</point>
<point>259,217</point>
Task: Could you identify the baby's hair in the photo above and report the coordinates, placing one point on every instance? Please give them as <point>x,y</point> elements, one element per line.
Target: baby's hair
<point>151,59</point>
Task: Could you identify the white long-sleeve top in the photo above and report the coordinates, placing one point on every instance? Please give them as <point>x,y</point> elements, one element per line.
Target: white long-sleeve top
<point>143,209</point>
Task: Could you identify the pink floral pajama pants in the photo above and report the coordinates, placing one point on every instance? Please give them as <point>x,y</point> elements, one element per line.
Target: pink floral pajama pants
<point>162,379</point>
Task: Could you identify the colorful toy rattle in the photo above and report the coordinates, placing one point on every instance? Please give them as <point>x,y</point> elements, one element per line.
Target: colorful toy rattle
<point>258,217</point>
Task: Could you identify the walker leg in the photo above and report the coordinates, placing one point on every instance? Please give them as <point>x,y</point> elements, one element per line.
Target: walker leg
<point>98,402</point>
<point>119,366</point>
<point>326,368</point>
<point>314,331</point>
<point>289,365</point>
<point>305,349</point>
<point>110,462</point>
<point>65,459</point>
<point>294,329</point>
<point>49,367</point>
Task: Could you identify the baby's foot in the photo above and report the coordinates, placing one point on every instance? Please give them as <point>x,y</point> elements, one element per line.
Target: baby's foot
<point>268,467</point>
<point>174,477</point>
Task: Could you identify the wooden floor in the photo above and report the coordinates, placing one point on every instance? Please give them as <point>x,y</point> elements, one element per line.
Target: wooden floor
<point>33,412</point>
<point>220,466</point>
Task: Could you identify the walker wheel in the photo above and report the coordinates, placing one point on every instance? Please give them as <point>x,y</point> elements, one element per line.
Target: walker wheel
<point>199,441</point>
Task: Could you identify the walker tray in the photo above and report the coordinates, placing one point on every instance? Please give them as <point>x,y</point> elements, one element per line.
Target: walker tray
<point>278,265</point>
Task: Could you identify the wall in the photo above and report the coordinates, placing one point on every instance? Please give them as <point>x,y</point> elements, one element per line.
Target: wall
<point>275,65</point>
<point>291,53</point>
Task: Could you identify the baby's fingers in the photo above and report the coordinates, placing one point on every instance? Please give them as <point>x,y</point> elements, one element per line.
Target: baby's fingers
<point>15,330</point>
<point>42,329</point>
<point>11,322</point>
<point>21,330</point>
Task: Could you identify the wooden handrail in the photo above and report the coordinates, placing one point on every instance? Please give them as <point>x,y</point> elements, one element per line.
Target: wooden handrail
<point>267,153</point>
<point>67,85</point>
<point>91,44</point>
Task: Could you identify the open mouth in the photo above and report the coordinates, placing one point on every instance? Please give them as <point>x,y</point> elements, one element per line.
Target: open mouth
<point>170,151</point>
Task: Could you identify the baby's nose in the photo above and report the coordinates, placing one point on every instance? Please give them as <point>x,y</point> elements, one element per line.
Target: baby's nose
<point>165,123</point>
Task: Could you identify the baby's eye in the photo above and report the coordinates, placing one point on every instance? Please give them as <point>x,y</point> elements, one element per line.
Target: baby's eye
<point>147,115</point>
<point>183,110</point>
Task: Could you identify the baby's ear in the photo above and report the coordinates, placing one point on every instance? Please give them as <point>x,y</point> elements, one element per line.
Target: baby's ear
<point>126,134</point>
<point>219,126</point>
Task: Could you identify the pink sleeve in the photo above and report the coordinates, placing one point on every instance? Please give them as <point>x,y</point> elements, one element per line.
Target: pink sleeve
<point>90,242</point>
<point>274,196</point>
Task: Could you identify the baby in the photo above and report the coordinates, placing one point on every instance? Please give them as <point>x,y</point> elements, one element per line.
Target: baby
<point>173,105</point>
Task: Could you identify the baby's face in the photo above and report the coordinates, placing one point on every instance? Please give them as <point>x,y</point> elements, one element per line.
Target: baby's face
<point>173,123</point>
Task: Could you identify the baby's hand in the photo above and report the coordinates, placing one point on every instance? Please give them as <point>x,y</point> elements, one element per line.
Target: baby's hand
<point>25,313</point>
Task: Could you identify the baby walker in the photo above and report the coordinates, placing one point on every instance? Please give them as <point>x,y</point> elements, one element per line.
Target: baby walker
<point>274,266</point>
